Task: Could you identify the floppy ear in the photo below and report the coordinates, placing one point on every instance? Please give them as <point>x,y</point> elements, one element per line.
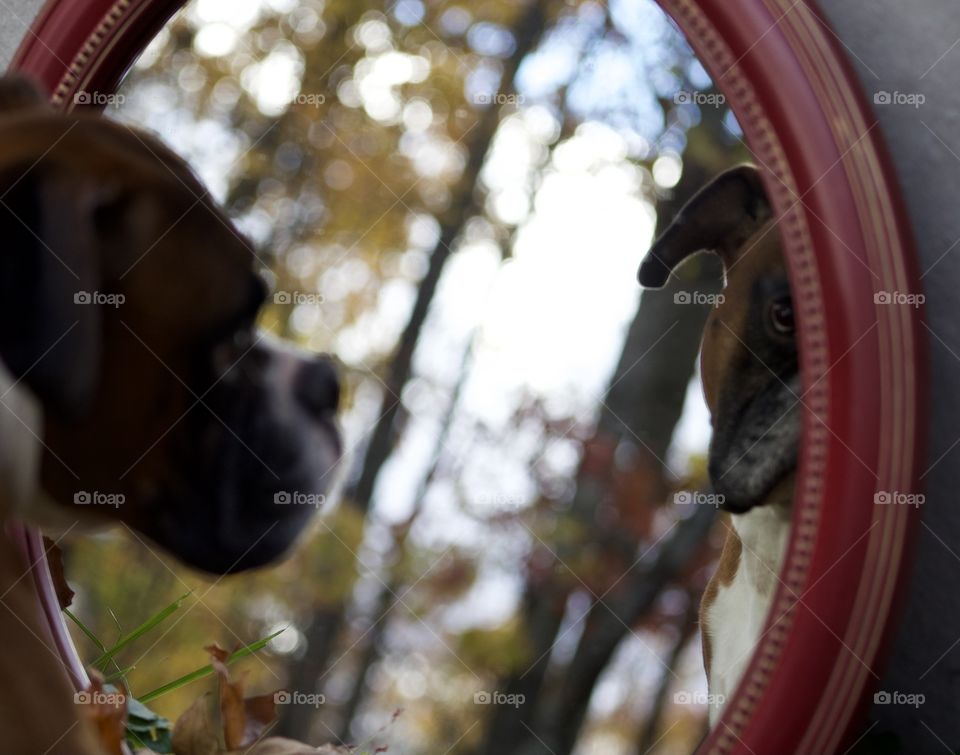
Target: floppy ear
<point>49,331</point>
<point>719,218</point>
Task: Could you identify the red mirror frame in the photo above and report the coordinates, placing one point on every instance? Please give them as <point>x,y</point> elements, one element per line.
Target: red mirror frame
<point>863,364</point>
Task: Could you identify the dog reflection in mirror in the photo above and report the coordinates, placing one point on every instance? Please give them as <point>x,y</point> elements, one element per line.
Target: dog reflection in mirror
<point>750,376</point>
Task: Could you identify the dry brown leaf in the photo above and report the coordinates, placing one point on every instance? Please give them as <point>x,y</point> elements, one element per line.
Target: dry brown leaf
<point>260,712</point>
<point>55,562</point>
<point>282,746</point>
<point>232,714</point>
<point>244,719</point>
<point>196,732</point>
<point>106,711</point>
<point>241,722</point>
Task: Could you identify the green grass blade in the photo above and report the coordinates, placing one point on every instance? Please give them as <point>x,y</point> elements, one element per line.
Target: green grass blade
<point>83,628</point>
<point>207,670</point>
<point>137,633</point>
<point>118,674</point>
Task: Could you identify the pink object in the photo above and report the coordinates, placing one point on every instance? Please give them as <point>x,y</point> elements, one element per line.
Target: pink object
<point>30,543</point>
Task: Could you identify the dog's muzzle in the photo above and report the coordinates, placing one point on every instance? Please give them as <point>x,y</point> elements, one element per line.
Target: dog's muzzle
<point>268,450</point>
<point>757,447</point>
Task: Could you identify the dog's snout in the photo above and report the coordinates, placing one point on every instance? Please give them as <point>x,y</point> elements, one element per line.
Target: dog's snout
<point>317,387</point>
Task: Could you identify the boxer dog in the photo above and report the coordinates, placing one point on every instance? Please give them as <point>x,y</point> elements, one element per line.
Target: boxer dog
<point>133,384</point>
<point>751,383</point>
<point>132,375</point>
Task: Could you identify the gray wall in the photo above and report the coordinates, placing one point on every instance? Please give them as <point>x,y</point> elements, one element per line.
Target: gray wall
<point>17,16</point>
<point>915,48</point>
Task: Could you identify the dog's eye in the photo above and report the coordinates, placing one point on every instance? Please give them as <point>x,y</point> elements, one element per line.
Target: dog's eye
<point>780,316</point>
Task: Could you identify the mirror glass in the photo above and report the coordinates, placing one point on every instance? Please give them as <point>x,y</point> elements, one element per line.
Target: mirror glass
<point>554,516</point>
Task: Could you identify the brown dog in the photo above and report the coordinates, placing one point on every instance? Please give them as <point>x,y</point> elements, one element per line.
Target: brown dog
<point>749,369</point>
<point>133,385</point>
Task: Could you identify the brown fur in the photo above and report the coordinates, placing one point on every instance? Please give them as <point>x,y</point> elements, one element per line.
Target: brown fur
<point>723,333</point>
<point>163,244</point>
<point>155,214</point>
<point>726,570</point>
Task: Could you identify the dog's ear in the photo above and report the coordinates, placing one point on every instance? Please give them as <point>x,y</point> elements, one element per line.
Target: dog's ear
<point>17,92</point>
<point>50,326</point>
<point>719,218</point>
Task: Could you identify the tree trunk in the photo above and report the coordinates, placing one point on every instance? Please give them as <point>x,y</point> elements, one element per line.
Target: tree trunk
<point>372,642</point>
<point>324,627</point>
<point>687,629</point>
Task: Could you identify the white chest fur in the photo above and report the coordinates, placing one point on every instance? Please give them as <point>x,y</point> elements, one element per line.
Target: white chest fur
<point>21,451</point>
<point>21,427</point>
<point>735,619</point>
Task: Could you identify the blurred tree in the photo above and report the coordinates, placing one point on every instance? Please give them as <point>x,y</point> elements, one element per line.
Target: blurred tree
<point>324,626</point>
<point>686,629</point>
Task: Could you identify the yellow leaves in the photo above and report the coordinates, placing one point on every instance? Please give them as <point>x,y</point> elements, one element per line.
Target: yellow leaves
<point>325,562</point>
<point>444,577</point>
<point>237,726</point>
<point>697,478</point>
<point>500,651</point>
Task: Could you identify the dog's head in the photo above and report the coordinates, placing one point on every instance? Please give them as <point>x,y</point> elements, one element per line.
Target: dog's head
<point>749,363</point>
<point>127,307</point>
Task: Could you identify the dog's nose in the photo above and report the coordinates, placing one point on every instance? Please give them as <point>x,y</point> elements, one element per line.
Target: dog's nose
<point>317,386</point>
